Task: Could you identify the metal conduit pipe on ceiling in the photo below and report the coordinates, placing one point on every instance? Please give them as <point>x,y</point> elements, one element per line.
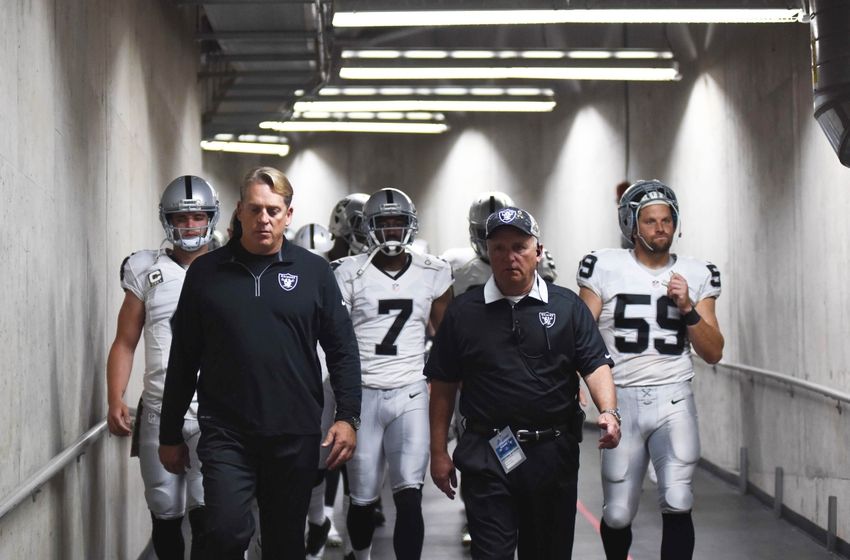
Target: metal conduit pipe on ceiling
<point>830,33</point>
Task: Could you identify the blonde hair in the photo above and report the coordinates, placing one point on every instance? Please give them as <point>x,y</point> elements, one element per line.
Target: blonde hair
<point>270,176</point>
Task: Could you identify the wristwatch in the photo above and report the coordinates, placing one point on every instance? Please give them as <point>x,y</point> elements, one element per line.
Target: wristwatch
<point>615,412</point>
<point>354,421</point>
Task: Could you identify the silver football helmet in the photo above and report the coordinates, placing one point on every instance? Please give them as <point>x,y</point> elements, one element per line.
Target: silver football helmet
<point>188,193</point>
<point>390,203</point>
<point>484,204</point>
<point>347,222</point>
<point>640,195</point>
<point>315,238</point>
<point>546,267</point>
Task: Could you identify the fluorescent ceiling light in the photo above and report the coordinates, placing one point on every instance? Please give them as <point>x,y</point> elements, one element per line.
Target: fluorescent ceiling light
<point>540,54</point>
<point>428,18</point>
<point>422,116</point>
<point>659,73</point>
<point>352,126</point>
<point>397,91</point>
<point>424,54</point>
<point>446,105</point>
<point>485,91</point>
<point>245,147</point>
<point>472,54</point>
<point>633,54</point>
<point>537,54</point>
<point>367,113</point>
<point>378,53</point>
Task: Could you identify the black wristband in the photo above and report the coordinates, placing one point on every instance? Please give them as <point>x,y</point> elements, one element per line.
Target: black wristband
<point>691,317</point>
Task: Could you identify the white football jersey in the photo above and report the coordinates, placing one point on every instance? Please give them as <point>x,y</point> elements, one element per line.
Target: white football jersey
<point>641,326</point>
<point>390,315</point>
<point>458,257</point>
<point>156,279</point>
<point>474,273</point>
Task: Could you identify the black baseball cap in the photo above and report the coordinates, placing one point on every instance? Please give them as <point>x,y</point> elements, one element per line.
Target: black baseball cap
<point>514,217</point>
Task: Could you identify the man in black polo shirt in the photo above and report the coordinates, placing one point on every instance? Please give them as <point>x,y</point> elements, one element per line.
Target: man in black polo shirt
<point>516,344</point>
<point>249,317</point>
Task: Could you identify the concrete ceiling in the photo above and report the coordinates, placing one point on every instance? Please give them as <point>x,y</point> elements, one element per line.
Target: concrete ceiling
<point>256,54</point>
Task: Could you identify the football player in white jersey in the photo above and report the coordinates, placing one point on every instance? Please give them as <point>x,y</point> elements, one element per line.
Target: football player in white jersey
<point>652,306</point>
<point>152,281</point>
<point>349,238</point>
<point>392,293</point>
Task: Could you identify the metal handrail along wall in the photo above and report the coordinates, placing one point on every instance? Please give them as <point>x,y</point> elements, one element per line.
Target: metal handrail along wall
<point>57,464</point>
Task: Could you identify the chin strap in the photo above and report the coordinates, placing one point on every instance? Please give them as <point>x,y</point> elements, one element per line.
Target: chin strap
<point>645,244</point>
<point>372,254</point>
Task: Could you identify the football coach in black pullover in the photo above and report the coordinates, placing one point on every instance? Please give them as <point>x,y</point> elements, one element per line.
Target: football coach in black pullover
<point>245,333</point>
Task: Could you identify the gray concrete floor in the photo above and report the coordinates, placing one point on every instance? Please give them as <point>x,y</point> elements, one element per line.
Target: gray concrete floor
<point>728,526</point>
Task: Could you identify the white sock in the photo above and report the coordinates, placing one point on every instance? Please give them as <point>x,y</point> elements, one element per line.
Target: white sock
<point>329,512</point>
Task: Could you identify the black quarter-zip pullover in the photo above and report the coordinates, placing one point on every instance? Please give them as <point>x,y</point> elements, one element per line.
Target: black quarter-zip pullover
<point>249,325</point>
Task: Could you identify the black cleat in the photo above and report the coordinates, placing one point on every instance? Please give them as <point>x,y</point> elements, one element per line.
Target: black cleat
<point>317,536</point>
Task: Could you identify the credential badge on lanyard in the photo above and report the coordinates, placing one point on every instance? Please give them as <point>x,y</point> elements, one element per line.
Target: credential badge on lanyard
<point>507,449</point>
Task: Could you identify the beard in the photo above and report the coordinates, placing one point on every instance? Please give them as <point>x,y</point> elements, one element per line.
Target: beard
<point>657,245</point>
<point>661,245</point>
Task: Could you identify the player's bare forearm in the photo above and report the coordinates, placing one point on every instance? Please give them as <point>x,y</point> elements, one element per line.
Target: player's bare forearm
<point>118,367</point>
<point>119,362</point>
<point>705,336</point>
<point>441,408</point>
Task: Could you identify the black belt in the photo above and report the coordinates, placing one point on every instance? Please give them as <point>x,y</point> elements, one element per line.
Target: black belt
<point>522,435</point>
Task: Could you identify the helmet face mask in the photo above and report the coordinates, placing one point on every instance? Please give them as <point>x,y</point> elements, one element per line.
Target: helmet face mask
<point>640,195</point>
<point>358,238</point>
<point>480,209</point>
<point>189,238</point>
<point>346,222</point>
<point>191,194</point>
<point>390,221</point>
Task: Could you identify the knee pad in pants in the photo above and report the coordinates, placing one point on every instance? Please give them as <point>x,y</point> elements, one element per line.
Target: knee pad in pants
<point>677,499</point>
